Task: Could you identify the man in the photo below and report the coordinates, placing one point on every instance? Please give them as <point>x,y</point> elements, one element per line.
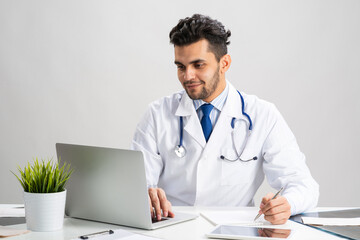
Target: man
<point>225,141</point>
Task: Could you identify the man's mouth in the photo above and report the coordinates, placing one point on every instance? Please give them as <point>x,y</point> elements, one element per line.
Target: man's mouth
<point>192,85</point>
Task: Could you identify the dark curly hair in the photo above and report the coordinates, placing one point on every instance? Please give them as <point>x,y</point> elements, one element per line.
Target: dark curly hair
<point>197,27</point>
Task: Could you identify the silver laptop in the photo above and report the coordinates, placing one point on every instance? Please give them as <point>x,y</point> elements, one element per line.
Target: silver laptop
<point>109,185</point>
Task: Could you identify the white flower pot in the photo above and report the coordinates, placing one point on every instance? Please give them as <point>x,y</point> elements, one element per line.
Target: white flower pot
<point>44,212</point>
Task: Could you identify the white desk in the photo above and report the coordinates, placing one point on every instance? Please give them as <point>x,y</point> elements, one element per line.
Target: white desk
<point>194,229</point>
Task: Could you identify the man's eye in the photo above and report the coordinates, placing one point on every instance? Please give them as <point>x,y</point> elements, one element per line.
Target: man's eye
<point>199,65</point>
<point>181,68</point>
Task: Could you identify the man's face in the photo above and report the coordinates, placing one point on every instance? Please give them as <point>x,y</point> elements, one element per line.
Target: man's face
<point>198,71</point>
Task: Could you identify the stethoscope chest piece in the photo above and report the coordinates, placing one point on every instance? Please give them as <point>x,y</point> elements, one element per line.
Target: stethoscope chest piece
<point>180,151</point>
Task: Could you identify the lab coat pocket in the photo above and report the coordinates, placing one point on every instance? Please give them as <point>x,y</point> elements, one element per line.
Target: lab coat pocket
<point>238,172</point>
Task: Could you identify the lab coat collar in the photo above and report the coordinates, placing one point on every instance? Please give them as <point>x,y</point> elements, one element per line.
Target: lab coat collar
<point>186,106</point>
<point>233,105</point>
<point>191,122</point>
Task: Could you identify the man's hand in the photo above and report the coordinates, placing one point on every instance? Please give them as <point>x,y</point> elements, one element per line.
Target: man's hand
<point>276,211</point>
<point>159,202</point>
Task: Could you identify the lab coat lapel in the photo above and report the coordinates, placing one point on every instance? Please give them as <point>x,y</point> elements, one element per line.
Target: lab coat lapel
<point>221,130</point>
<point>192,124</point>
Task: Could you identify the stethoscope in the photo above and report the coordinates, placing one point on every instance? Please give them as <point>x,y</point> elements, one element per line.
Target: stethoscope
<point>180,150</point>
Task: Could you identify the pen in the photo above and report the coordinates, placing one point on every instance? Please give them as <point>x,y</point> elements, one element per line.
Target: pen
<point>87,236</point>
<point>257,216</point>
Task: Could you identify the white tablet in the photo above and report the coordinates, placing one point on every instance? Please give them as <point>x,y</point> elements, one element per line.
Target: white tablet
<point>248,232</point>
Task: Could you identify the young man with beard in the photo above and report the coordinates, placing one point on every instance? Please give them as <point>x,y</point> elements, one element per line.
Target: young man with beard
<point>212,145</point>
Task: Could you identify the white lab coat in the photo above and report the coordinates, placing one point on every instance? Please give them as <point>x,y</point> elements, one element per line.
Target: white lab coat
<point>201,177</point>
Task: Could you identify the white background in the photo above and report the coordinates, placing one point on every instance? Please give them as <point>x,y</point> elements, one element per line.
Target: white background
<point>84,72</point>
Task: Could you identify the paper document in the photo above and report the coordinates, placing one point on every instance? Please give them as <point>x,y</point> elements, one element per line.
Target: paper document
<point>243,217</point>
<point>9,232</point>
<point>331,221</point>
<point>12,212</point>
<point>120,234</point>
<point>11,206</point>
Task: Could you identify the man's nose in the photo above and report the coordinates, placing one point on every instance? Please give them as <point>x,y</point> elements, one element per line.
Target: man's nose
<point>189,74</point>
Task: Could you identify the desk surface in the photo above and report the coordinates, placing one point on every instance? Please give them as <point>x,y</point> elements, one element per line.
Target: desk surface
<point>194,229</point>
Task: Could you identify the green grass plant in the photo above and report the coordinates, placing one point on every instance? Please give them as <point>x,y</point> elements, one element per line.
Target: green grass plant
<point>44,176</point>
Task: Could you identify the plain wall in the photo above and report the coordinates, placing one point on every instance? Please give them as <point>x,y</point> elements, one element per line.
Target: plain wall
<point>84,71</point>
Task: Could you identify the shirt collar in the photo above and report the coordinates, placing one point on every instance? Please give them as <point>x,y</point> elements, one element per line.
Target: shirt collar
<point>218,102</point>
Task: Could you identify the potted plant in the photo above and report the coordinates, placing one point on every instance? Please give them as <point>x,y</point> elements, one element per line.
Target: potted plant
<point>44,194</point>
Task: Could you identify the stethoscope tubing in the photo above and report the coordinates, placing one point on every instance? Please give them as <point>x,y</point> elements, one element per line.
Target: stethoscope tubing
<point>181,130</point>
<point>243,112</point>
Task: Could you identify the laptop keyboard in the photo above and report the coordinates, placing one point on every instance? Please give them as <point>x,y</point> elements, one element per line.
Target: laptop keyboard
<point>154,220</point>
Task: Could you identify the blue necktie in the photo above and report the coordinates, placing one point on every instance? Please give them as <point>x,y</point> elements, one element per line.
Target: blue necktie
<point>205,121</point>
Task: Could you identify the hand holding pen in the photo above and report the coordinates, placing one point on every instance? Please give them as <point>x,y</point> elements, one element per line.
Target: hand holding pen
<point>276,209</point>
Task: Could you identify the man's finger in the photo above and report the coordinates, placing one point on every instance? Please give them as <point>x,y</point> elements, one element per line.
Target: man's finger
<point>159,202</point>
<point>264,201</point>
<point>170,213</point>
<point>155,202</point>
<point>267,198</point>
<point>275,205</point>
<point>163,202</point>
<point>151,208</point>
<point>279,218</point>
<point>278,214</point>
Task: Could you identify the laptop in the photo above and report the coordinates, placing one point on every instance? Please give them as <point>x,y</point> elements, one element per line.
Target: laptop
<point>109,185</point>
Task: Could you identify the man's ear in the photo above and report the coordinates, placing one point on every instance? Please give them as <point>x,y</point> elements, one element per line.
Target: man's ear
<point>225,63</point>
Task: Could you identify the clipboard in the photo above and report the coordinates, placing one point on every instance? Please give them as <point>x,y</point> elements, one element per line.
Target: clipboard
<point>347,232</point>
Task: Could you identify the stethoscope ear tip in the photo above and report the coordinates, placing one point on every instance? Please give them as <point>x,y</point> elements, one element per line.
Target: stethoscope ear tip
<point>222,157</point>
<point>255,158</point>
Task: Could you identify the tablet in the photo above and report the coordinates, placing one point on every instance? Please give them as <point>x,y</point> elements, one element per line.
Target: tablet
<point>247,232</point>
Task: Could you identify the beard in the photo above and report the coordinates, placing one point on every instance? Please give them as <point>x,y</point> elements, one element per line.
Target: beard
<point>205,91</point>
